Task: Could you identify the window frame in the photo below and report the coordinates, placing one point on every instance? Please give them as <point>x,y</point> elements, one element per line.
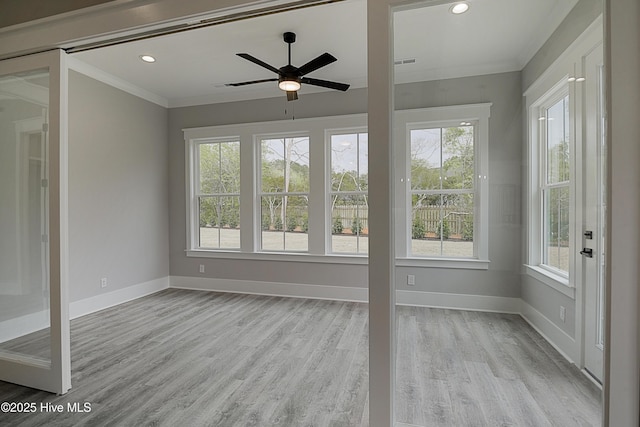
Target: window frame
<point>329,133</point>
<point>198,194</point>
<point>538,100</point>
<point>551,98</point>
<point>440,117</point>
<point>318,130</point>
<point>257,207</point>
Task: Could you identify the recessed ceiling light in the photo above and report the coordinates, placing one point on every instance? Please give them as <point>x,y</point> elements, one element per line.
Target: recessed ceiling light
<point>147,58</point>
<point>459,8</point>
<point>580,79</point>
<point>571,79</point>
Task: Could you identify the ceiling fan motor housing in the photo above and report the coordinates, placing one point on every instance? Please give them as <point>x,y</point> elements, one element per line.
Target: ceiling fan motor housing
<point>289,73</point>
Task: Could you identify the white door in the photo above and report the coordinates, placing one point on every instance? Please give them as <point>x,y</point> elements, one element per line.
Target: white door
<point>594,214</point>
<point>34,320</point>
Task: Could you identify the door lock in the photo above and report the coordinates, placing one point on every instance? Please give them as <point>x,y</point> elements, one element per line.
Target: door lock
<point>588,235</point>
<point>588,252</point>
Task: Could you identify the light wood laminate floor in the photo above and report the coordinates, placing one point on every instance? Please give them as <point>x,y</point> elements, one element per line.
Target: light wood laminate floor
<point>192,358</point>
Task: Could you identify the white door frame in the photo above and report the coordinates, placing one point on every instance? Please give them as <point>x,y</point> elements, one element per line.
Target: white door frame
<point>53,375</point>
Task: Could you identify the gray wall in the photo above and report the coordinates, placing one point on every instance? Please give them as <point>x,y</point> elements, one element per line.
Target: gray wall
<point>505,152</point>
<point>537,294</point>
<point>505,164</point>
<point>118,196</point>
<point>580,17</point>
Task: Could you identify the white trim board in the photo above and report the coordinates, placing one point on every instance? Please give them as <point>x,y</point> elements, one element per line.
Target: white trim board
<point>110,299</point>
<point>559,339</point>
<point>291,290</point>
<point>459,301</point>
<point>116,82</point>
<point>346,293</point>
<point>23,325</point>
<point>29,323</point>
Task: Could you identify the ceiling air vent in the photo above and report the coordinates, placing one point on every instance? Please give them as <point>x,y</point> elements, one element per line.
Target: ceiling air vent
<point>404,61</point>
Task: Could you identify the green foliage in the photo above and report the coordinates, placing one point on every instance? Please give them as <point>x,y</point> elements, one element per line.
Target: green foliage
<point>305,224</point>
<point>467,229</point>
<point>356,225</point>
<point>456,170</point>
<point>336,227</point>
<point>278,224</point>
<point>233,220</point>
<point>292,223</point>
<point>266,223</point>
<point>443,231</point>
<point>418,228</point>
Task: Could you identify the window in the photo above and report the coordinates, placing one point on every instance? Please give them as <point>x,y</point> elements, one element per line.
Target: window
<point>304,189</point>
<point>284,193</point>
<point>442,182</point>
<point>442,186</point>
<point>218,194</point>
<point>348,193</point>
<point>555,183</point>
<point>551,212</point>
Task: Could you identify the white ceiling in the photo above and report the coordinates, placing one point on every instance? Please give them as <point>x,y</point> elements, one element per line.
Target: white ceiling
<point>193,66</point>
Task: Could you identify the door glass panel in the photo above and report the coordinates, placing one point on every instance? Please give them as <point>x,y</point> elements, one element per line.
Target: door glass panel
<point>24,257</point>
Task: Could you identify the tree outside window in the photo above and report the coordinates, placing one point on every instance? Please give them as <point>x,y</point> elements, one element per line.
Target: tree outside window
<point>284,193</point>
<point>348,196</point>
<point>219,194</point>
<point>442,191</point>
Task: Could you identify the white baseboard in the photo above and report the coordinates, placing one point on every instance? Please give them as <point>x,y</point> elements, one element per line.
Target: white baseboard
<point>110,299</point>
<point>558,338</point>
<point>459,301</point>
<point>292,290</point>
<point>344,293</point>
<point>23,325</point>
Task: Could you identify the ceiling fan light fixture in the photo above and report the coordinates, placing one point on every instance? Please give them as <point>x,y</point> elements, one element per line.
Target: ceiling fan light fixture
<point>289,85</point>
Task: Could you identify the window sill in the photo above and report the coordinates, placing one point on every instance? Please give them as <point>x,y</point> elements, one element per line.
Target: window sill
<point>280,256</point>
<point>454,263</point>
<point>555,281</point>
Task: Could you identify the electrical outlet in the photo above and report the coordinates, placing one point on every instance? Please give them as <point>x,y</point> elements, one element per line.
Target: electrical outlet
<point>201,268</point>
<point>103,282</point>
<point>411,280</point>
<point>563,312</point>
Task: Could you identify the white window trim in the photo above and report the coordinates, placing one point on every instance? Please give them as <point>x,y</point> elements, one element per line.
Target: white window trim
<point>320,129</point>
<point>405,121</point>
<point>256,208</point>
<point>569,64</point>
<point>328,224</point>
<point>195,189</point>
<point>534,266</point>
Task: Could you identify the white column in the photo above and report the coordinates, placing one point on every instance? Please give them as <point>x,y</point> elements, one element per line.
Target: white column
<point>622,351</point>
<point>381,251</point>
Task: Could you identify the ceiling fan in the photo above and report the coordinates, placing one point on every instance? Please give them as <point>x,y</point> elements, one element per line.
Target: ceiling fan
<point>290,78</point>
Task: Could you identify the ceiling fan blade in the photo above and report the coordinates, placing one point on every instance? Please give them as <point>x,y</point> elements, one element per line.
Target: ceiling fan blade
<point>314,64</point>
<point>324,83</point>
<point>292,95</point>
<point>258,62</point>
<point>251,82</point>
